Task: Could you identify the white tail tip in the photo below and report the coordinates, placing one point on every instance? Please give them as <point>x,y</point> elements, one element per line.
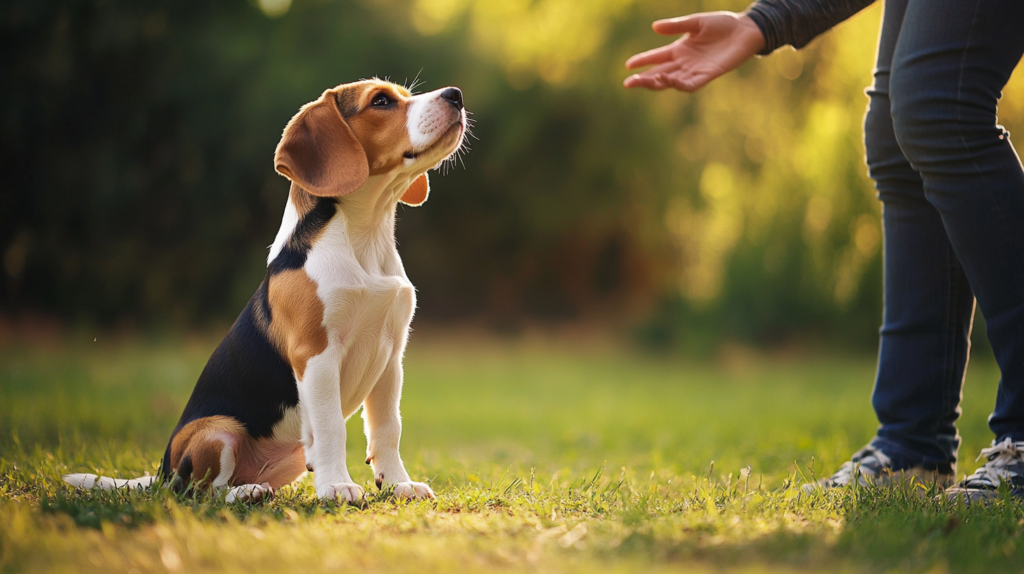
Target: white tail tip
<point>91,481</point>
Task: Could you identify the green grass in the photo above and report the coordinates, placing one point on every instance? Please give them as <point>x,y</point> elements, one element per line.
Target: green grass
<point>546,457</point>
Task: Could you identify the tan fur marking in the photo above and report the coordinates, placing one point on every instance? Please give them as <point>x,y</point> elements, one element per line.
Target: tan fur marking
<point>319,152</point>
<point>206,461</point>
<point>382,132</point>
<point>320,147</point>
<point>298,314</point>
<point>202,440</point>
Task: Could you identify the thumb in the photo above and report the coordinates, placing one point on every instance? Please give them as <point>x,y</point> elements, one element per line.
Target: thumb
<point>683,25</point>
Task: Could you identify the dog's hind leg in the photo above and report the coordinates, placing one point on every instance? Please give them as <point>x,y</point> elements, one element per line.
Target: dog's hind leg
<point>206,452</point>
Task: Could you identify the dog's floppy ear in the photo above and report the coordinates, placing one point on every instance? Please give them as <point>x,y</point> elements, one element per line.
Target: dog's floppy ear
<point>417,192</point>
<point>319,152</point>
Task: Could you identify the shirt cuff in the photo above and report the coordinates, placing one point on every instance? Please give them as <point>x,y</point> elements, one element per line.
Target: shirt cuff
<point>767,21</point>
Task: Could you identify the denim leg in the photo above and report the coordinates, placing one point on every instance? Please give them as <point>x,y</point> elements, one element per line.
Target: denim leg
<point>929,306</point>
<point>951,61</point>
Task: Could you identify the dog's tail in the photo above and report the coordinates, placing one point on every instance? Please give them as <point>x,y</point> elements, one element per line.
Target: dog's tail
<point>91,481</point>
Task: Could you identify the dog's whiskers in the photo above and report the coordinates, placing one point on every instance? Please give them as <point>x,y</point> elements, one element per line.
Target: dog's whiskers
<point>416,82</point>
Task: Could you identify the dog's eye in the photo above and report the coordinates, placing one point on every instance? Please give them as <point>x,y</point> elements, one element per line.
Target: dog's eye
<point>380,100</point>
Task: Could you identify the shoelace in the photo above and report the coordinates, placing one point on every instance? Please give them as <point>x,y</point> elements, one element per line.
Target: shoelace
<point>869,462</point>
<point>1001,457</point>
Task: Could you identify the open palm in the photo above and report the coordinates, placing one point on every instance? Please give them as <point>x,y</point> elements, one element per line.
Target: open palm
<point>715,43</point>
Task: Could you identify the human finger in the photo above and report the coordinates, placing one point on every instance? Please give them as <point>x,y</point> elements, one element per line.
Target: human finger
<point>655,56</point>
<point>652,79</point>
<point>648,81</point>
<point>683,25</point>
<point>686,82</point>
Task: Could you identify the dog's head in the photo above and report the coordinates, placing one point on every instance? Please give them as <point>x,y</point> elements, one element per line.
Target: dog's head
<point>369,128</point>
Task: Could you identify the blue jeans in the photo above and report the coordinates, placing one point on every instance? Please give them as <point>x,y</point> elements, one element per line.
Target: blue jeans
<point>952,190</point>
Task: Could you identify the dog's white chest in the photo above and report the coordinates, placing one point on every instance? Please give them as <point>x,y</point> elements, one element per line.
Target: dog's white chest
<point>368,304</point>
<point>367,331</point>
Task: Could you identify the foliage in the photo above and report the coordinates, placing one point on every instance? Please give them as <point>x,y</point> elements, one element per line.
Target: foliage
<point>543,460</point>
<point>136,141</point>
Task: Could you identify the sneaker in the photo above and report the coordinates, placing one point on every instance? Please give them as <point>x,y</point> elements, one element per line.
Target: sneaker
<point>1005,464</point>
<point>871,467</point>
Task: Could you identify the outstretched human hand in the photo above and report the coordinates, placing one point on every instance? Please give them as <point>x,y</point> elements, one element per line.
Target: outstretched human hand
<point>715,43</point>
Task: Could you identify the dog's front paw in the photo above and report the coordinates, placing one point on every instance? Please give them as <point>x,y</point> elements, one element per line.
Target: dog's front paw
<point>250,493</point>
<point>349,492</point>
<point>413,490</point>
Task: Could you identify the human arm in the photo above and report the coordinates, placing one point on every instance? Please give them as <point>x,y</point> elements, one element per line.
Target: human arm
<point>718,42</point>
<point>797,22</point>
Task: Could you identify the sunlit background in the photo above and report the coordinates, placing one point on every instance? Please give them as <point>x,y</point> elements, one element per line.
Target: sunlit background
<point>646,318</point>
<point>138,188</point>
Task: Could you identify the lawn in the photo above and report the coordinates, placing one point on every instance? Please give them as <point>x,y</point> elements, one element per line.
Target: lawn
<point>547,456</point>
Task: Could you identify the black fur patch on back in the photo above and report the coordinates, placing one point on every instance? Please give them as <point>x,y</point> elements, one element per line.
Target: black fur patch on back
<point>293,255</point>
<point>246,378</point>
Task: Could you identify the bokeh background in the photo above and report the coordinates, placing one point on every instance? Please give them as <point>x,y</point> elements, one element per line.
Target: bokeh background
<point>138,189</point>
<point>627,300</point>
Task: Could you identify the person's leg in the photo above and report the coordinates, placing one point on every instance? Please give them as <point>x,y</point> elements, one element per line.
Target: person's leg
<point>951,62</point>
<point>928,305</point>
<point>928,308</point>
<point>952,59</point>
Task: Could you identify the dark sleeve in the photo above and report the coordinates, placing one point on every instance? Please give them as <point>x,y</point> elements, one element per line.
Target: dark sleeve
<point>797,22</point>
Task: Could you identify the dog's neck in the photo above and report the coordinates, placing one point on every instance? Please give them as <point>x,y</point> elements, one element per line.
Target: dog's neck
<point>369,211</point>
<point>363,225</point>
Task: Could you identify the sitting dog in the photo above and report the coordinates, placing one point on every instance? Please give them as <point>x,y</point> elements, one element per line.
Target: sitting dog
<point>326,330</point>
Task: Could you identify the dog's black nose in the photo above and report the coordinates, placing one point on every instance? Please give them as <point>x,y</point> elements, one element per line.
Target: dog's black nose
<point>453,95</point>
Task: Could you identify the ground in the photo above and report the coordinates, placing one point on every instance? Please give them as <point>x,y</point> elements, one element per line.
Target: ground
<point>547,456</point>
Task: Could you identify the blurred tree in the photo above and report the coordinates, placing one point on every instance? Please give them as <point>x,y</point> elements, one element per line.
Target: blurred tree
<point>137,138</point>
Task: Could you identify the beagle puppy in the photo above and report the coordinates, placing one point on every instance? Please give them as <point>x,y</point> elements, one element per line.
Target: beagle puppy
<point>326,330</point>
